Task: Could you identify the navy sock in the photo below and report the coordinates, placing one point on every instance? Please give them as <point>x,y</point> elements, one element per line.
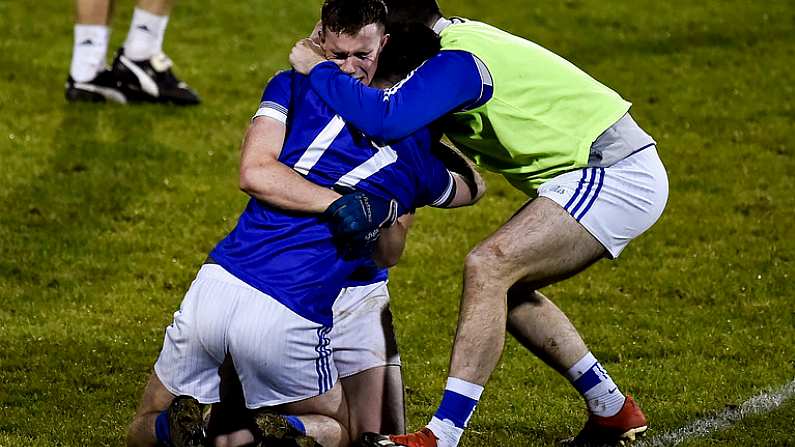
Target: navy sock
<point>162,430</point>
<point>296,423</point>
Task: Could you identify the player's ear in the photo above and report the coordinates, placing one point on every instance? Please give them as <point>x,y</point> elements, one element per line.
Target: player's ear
<point>315,36</point>
<point>384,41</point>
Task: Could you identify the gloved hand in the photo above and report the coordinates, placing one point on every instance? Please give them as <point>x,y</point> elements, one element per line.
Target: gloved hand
<point>357,212</point>
<point>356,219</point>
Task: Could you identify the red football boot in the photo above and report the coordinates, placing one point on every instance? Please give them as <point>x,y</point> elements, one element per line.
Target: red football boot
<point>622,428</point>
<point>422,438</point>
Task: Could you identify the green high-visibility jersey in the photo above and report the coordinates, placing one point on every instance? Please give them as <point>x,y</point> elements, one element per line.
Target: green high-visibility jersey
<point>544,113</point>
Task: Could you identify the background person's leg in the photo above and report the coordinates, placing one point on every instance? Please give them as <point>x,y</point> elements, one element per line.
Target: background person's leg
<point>141,68</point>
<point>89,79</point>
<point>147,29</point>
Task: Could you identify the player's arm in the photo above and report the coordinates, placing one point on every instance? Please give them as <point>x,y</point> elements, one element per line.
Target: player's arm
<point>262,175</point>
<point>449,81</point>
<point>468,184</point>
<point>267,179</point>
<point>393,241</point>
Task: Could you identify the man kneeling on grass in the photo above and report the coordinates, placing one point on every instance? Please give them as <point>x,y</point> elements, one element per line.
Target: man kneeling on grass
<point>269,296</point>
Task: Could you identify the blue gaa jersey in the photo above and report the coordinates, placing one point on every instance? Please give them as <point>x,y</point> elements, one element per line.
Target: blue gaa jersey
<point>291,256</point>
<point>450,81</point>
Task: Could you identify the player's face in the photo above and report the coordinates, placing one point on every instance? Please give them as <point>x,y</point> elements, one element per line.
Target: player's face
<point>356,54</point>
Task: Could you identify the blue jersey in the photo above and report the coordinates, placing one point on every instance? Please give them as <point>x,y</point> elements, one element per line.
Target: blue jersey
<point>450,81</point>
<point>291,256</point>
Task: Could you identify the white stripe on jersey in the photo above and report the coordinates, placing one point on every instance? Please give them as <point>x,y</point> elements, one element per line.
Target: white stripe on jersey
<point>392,90</point>
<point>445,197</point>
<point>384,157</point>
<point>271,112</point>
<point>319,145</point>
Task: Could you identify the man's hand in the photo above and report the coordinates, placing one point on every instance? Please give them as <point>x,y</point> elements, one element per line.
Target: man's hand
<point>356,219</point>
<point>305,55</point>
<point>357,212</point>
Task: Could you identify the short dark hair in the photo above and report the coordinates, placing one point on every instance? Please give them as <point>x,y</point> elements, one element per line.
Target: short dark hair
<point>422,11</point>
<point>350,16</point>
<point>409,45</point>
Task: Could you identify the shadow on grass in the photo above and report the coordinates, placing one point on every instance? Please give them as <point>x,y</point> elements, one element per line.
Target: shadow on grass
<point>105,158</point>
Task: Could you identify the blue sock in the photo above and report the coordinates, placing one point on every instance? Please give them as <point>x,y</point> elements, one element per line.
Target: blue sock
<point>594,384</point>
<point>458,402</point>
<point>296,423</point>
<point>162,431</point>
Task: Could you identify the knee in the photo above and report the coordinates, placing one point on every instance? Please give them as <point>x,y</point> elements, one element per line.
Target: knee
<point>485,264</point>
<point>523,294</point>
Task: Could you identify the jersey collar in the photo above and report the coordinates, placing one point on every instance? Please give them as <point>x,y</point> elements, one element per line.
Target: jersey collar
<point>443,23</point>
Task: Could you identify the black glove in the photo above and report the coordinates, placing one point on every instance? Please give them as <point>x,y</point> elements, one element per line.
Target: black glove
<point>356,219</point>
<point>357,212</point>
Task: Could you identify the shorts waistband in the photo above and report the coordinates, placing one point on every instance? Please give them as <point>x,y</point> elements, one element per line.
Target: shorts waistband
<point>218,273</point>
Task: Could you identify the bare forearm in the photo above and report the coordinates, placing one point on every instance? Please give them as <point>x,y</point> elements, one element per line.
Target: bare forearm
<point>265,178</point>
<point>392,242</point>
<point>278,185</point>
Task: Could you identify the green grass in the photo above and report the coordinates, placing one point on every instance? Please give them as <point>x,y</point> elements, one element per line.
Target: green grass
<point>108,211</point>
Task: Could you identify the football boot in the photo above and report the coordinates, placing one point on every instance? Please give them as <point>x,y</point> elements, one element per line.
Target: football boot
<point>104,87</point>
<point>422,438</point>
<point>621,429</point>
<point>273,430</point>
<point>186,422</point>
<point>151,80</point>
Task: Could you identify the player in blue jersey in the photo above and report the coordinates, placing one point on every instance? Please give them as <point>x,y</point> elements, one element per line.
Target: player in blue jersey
<point>266,298</point>
<point>364,348</point>
<point>556,134</point>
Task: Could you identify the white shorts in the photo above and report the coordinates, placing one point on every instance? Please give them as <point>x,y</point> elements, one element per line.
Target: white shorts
<point>615,203</point>
<point>280,356</point>
<point>363,336</point>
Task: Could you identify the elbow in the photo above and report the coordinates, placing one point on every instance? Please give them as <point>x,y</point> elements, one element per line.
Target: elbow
<point>393,259</point>
<point>248,180</point>
<point>386,261</point>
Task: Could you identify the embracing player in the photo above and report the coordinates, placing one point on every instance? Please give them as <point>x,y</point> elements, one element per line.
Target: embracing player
<point>267,296</point>
<point>556,134</point>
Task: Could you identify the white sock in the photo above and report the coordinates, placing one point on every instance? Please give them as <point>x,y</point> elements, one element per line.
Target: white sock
<point>594,384</point>
<point>447,434</point>
<point>88,53</point>
<point>145,38</point>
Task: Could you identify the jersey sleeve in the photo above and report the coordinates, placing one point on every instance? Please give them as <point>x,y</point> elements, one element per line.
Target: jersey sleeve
<point>275,101</point>
<point>449,81</point>
<point>435,184</point>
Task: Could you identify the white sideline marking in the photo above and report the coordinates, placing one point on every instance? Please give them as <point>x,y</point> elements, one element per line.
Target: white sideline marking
<point>760,404</point>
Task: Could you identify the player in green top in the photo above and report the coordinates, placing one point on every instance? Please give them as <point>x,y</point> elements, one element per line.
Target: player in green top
<point>593,174</point>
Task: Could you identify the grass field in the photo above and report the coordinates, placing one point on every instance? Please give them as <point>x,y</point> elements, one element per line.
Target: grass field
<point>108,211</point>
